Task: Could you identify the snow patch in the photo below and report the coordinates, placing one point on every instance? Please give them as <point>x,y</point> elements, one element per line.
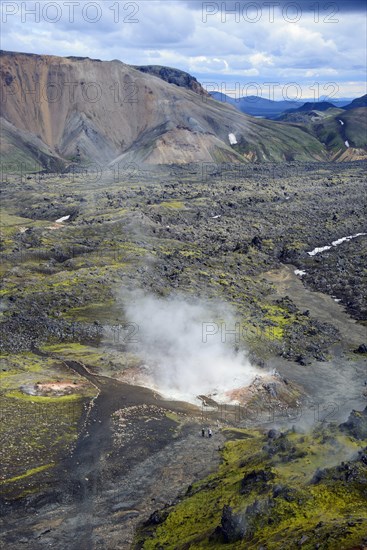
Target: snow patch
<point>341,122</point>
<point>346,143</point>
<point>350,237</point>
<point>335,243</point>
<point>318,250</point>
<point>299,272</point>
<point>63,219</point>
<point>232,139</point>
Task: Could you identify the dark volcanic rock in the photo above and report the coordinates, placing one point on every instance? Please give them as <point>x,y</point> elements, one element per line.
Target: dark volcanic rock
<point>232,528</point>
<point>256,480</point>
<point>257,242</point>
<point>158,516</point>
<point>361,349</point>
<point>174,76</point>
<point>356,424</point>
<point>287,493</point>
<point>319,475</point>
<point>272,434</point>
<point>22,332</point>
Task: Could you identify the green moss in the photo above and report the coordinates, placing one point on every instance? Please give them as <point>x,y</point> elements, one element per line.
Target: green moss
<point>26,362</point>
<point>28,473</point>
<point>104,312</point>
<point>41,399</point>
<point>190,253</point>
<point>239,433</point>
<point>173,416</point>
<point>73,350</point>
<point>37,432</point>
<point>6,374</point>
<point>38,429</point>
<point>296,245</point>
<point>184,524</point>
<point>279,318</point>
<point>330,513</point>
<point>28,370</point>
<point>11,220</point>
<point>174,204</point>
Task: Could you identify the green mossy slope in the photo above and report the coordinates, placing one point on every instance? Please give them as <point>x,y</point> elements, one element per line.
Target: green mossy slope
<point>274,491</point>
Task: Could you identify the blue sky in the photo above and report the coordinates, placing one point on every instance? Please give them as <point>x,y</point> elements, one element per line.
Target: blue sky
<point>279,49</point>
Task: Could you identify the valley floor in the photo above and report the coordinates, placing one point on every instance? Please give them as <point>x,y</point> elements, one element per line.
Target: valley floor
<point>89,457</point>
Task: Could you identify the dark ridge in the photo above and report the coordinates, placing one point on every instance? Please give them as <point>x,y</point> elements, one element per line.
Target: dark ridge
<point>356,103</point>
<point>173,76</point>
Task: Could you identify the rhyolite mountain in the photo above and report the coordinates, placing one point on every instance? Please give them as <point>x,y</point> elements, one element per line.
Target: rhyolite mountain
<point>56,111</point>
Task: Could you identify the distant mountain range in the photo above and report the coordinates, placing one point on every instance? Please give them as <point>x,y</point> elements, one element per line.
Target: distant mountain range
<point>255,105</point>
<point>312,106</point>
<point>57,112</point>
<point>261,107</point>
<point>325,105</point>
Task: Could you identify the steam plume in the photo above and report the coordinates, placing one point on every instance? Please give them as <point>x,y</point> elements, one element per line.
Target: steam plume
<point>184,360</point>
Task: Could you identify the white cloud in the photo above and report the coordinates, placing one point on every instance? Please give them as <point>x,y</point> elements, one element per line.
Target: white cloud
<point>230,48</point>
<point>261,58</point>
<point>320,73</point>
<point>251,72</point>
<point>208,65</point>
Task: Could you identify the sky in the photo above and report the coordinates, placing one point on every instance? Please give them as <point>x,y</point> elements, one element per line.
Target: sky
<point>275,49</point>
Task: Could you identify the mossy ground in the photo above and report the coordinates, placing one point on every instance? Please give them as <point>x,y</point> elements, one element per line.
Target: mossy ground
<point>331,513</point>
<point>36,430</point>
<point>160,236</point>
<point>210,236</point>
<point>110,362</point>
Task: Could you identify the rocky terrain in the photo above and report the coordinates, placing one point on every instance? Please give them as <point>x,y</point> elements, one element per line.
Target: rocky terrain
<point>161,275</point>
<point>267,494</point>
<point>174,76</point>
<point>89,457</point>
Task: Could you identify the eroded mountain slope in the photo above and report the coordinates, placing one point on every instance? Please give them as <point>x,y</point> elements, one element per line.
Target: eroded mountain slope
<point>83,109</point>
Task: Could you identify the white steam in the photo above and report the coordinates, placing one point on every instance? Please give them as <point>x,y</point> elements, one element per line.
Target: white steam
<point>188,348</point>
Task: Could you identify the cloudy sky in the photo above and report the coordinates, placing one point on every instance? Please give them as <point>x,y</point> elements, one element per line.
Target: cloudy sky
<point>304,49</point>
